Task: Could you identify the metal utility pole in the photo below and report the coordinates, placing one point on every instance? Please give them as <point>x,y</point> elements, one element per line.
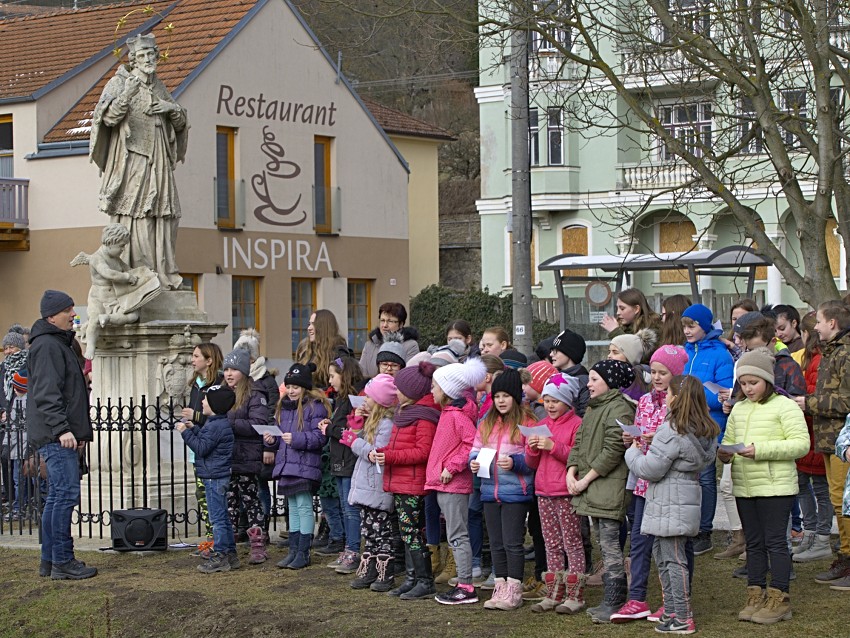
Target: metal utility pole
<point>520,192</point>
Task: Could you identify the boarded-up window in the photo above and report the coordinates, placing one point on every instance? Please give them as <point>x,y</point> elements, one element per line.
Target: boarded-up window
<point>574,240</point>
<point>833,250</point>
<point>675,236</point>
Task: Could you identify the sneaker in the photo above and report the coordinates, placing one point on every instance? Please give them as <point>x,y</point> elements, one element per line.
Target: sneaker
<point>741,572</point>
<point>702,543</point>
<point>480,579</point>
<point>490,583</point>
<point>839,569</point>
<point>675,626</point>
<point>72,570</point>
<point>632,610</point>
<point>215,563</point>
<point>349,563</point>
<point>533,589</point>
<point>660,616</point>
<point>336,563</point>
<point>457,596</point>
<point>842,584</point>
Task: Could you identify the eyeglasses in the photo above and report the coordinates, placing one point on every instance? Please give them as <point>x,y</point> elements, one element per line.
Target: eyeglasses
<point>390,321</point>
<point>388,365</point>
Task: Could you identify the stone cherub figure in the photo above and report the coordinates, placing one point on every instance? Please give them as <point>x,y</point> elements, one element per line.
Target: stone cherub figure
<point>138,135</point>
<point>117,290</point>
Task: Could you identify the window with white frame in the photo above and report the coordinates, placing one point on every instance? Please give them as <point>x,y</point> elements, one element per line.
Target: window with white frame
<point>692,15</point>
<point>550,34</point>
<point>750,126</point>
<point>534,137</point>
<point>555,135</point>
<point>690,123</point>
<point>794,103</point>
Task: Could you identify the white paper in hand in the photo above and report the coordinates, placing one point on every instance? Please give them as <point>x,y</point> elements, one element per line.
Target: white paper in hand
<point>262,428</point>
<point>634,430</point>
<point>535,430</point>
<point>356,401</point>
<point>714,387</point>
<point>737,448</point>
<point>485,458</point>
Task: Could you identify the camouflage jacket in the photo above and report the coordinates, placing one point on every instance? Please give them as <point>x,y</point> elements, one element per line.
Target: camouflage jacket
<point>830,403</point>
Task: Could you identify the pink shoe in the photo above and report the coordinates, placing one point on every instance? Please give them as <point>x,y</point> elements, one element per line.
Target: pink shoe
<point>500,594</point>
<point>632,610</point>
<point>660,616</point>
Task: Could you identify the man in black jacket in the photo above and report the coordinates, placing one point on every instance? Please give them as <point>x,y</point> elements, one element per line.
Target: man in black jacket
<point>58,425</point>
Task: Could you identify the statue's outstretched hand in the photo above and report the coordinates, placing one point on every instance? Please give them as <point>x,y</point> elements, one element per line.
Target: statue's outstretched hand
<point>131,87</point>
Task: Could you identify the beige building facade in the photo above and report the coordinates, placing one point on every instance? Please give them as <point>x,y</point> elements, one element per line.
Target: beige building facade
<point>293,194</point>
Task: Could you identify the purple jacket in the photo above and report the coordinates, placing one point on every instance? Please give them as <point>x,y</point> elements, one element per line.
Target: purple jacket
<point>248,446</point>
<point>301,459</point>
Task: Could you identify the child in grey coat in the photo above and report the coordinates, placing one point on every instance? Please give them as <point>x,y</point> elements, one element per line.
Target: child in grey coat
<point>683,446</point>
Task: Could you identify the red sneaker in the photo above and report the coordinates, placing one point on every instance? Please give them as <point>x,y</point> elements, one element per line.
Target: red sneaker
<point>632,610</point>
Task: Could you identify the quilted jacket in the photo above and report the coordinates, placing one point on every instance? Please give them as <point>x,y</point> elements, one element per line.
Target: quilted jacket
<point>367,483</point>
<point>406,454</point>
<point>551,465</point>
<point>301,459</point>
<point>505,486</point>
<point>452,443</point>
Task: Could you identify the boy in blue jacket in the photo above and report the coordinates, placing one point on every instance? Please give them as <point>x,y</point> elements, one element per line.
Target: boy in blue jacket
<point>708,360</point>
<point>213,448</point>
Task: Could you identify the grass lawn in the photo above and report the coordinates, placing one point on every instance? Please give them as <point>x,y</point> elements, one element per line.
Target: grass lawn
<point>162,595</point>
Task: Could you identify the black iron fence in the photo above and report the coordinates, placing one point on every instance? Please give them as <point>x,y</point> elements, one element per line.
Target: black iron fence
<point>137,459</point>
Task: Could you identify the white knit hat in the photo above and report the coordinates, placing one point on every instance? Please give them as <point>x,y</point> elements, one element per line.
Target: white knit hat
<point>249,340</point>
<point>454,378</point>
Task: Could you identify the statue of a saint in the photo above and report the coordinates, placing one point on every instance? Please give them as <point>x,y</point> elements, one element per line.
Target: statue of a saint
<point>139,133</point>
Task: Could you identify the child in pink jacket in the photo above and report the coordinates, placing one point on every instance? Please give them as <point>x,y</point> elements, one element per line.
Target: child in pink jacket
<point>561,525</point>
<point>448,472</point>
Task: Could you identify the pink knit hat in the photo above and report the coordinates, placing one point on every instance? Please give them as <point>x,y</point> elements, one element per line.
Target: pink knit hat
<point>674,358</point>
<point>540,372</point>
<point>381,389</point>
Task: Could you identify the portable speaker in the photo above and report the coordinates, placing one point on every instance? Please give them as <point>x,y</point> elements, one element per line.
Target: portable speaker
<point>139,529</point>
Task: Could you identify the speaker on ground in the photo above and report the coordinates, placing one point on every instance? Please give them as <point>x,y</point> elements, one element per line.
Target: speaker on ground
<point>139,529</point>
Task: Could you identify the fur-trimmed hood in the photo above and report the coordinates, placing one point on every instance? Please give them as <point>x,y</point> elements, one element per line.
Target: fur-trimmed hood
<point>408,333</point>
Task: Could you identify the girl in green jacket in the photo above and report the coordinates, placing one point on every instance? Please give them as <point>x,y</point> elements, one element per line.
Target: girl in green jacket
<point>765,433</point>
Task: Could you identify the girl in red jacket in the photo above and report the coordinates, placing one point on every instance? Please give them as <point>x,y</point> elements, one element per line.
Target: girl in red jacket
<point>448,471</point>
<point>561,525</point>
<point>404,460</point>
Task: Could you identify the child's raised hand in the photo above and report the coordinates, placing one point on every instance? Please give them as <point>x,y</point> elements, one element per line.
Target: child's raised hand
<point>505,462</point>
<point>609,323</point>
<point>474,465</point>
<point>287,438</point>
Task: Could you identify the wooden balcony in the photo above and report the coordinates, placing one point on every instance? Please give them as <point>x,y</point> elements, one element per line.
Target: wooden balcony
<point>14,214</point>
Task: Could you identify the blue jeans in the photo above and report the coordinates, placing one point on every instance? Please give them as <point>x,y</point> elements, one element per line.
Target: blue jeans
<point>216,491</point>
<point>351,515</point>
<point>708,483</point>
<point>476,526</point>
<point>63,495</point>
<point>332,509</point>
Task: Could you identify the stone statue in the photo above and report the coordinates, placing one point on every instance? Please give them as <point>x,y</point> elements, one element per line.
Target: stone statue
<point>139,133</point>
<point>117,290</point>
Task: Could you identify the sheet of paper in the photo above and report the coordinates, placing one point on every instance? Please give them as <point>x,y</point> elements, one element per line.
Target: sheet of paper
<point>262,428</point>
<point>732,449</point>
<point>485,457</point>
<point>535,430</point>
<point>632,429</point>
<point>714,387</point>
<point>378,468</point>
<point>356,401</point>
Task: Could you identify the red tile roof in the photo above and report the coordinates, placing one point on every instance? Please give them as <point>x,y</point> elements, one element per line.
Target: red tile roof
<point>39,49</point>
<point>397,123</point>
<point>199,27</point>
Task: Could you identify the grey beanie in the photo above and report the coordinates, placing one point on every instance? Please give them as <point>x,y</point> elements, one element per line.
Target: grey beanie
<point>745,320</point>
<point>238,359</point>
<point>391,350</point>
<point>53,302</point>
<point>14,339</point>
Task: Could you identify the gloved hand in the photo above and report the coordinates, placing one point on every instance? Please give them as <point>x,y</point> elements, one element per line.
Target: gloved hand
<point>348,437</point>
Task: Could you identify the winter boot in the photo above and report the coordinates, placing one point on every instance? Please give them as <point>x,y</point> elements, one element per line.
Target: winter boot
<point>839,568</point>
<point>424,587</point>
<point>818,550</point>
<point>367,572</point>
<point>755,601</point>
<point>614,597</point>
<point>410,580</point>
<point>736,546</point>
<point>555,590</point>
<point>386,573</point>
<point>594,579</point>
<point>499,594</point>
<point>574,596</point>
<point>512,599</point>
<point>436,559</point>
<point>449,568</point>
<point>776,607</point>
<point>294,539</point>
<point>805,543</point>
<point>302,558</point>
<point>323,535</point>
<point>258,547</point>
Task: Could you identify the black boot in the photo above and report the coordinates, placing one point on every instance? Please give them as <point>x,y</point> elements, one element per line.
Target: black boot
<point>616,592</point>
<point>324,531</point>
<point>424,587</point>
<point>410,580</point>
<point>302,558</point>
<point>294,540</point>
<point>385,580</point>
<point>367,572</point>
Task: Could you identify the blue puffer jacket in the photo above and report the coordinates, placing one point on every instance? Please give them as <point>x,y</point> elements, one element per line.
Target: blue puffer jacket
<point>301,459</point>
<point>709,360</point>
<point>213,447</point>
<point>515,485</point>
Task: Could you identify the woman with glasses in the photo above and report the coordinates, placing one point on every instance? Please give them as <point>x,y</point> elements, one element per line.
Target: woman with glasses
<point>391,316</point>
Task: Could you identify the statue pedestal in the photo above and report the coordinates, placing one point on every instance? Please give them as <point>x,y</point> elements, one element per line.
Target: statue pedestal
<point>140,377</point>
